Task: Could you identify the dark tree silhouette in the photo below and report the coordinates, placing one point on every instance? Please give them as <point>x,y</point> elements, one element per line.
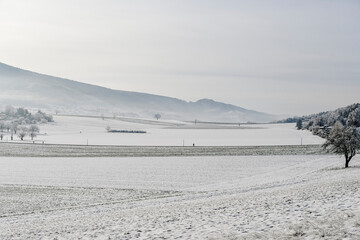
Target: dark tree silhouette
<point>299,124</point>
<point>157,116</point>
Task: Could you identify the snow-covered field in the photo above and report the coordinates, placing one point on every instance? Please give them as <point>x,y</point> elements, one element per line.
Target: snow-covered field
<point>63,150</point>
<point>275,190</point>
<point>241,197</point>
<point>92,131</point>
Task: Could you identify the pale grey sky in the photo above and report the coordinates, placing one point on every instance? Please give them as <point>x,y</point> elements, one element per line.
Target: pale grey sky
<point>281,57</point>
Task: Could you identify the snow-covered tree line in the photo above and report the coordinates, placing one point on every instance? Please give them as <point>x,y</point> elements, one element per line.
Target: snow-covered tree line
<point>340,128</point>
<point>321,123</point>
<point>21,122</point>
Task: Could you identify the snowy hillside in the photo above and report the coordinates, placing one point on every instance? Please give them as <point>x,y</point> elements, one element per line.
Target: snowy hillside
<point>28,89</point>
<point>230,197</point>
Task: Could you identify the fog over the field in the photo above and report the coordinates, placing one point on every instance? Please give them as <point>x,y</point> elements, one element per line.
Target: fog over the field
<point>291,57</point>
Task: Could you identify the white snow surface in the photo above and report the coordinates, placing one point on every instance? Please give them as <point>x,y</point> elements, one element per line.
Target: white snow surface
<point>160,173</point>
<point>242,197</point>
<point>92,131</point>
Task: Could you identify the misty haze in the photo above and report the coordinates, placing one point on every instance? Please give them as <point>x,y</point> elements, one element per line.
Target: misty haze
<point>179,119</point>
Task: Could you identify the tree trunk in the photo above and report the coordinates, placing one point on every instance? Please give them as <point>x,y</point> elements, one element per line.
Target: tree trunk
<point>347,160</point>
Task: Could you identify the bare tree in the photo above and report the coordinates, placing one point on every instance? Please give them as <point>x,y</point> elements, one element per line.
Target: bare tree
<point>343,140</point>
<point>157,116</point>
<point>22,131</point>
<point>33,131</point>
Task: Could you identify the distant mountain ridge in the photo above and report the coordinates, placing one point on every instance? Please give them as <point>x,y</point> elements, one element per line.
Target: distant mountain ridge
<point>29,89</point>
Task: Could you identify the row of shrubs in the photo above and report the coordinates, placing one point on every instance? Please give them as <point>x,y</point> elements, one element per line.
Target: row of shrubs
<point>127,131</point>
<point>108,128</point>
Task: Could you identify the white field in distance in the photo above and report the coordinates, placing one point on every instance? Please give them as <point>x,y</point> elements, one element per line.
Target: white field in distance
<point>92,131</point>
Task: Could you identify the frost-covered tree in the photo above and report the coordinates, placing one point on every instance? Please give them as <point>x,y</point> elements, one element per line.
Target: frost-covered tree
<point>332,119</point>
<point>22,112</point>
<point>22,131</point>
<point>14,126</point>
<point>343,140</point>
<point>299,124</point>
<point>319,121</point>
<point>354,118</point>
<point>33,131</point>
<point>9,110</point>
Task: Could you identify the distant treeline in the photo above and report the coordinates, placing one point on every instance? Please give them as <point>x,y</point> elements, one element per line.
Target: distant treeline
<point>23,116</point>
<point>321,123</point>
<point>126,131</point>
<point>21,122</point>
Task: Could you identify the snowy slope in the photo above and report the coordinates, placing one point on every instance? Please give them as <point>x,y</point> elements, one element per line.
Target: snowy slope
<point>258,197</point>
<point>28,89</point>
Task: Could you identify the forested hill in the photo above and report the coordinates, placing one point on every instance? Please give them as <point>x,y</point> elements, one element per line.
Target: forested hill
<point>321,123</point>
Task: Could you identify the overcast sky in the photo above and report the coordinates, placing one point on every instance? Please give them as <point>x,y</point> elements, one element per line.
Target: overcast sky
<point>281,57</point>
